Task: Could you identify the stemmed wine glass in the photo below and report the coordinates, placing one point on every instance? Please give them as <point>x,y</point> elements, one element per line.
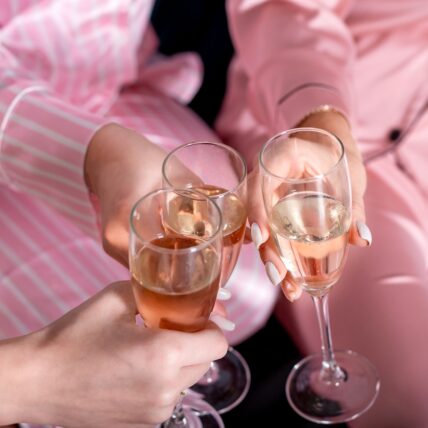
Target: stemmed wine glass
<point>175,261</point>
<point>219,172</point>
<point>307,197</point>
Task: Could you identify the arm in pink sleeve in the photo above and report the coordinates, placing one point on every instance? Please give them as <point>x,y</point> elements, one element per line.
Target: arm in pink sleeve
<point>42,149</point>
<point>298,55</point>
<point>58,62</point>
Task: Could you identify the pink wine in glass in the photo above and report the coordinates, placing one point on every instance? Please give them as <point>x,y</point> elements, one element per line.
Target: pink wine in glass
<point>172,294</point>
<point>310,230</point>
<point>234,220</point>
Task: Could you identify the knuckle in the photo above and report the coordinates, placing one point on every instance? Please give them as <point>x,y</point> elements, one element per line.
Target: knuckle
<point>223,347</point>
<point>107,240</point>
<point>163,414</point>
<point>169,360</point>
<point>219,344</point>
<point>166,397</point>
<point>175,347</point>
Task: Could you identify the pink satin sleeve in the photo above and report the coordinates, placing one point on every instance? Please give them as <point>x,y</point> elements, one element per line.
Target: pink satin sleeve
<point>297,56</point>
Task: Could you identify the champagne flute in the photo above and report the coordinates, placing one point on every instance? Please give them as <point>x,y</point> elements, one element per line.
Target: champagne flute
<point>175,261</point>
<point>307,197</point>
<point>219,172</point>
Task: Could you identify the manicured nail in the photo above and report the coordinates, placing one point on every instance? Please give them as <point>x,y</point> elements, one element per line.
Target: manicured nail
<point>273,274</point>
<point>364,232</point>
<point>291,292</point>
<point>222,322</point>
<point>256,235</point>
<point>224,294</point>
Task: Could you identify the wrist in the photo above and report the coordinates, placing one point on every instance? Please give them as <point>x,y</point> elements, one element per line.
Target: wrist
<point>336,123</point>
<point>327,118</point>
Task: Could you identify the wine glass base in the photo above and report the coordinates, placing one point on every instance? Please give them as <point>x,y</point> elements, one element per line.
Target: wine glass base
<point>326,402</point>
<point>229,383</point>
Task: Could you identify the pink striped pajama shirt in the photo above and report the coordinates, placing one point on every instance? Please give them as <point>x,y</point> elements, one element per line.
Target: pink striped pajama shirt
<point>63,69</point>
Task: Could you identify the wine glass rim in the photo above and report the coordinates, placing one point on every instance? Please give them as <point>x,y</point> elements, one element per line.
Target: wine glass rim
<point>210,143</point>
<point>203,244</point>
<point>298,130</point>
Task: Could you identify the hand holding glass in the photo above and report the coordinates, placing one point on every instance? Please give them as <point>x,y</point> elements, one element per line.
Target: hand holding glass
<point>175,261</point>
<point>307,197</point>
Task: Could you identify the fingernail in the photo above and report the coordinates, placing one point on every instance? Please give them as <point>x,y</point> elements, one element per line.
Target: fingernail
<point>256,235</point>
<point>291,293</point>
<point>222,322</point>
<point>224,294</point>
<point>364,232</point>
<point>272,273</point>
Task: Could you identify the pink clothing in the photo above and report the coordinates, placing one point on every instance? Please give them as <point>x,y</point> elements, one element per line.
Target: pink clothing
<point>65,66</point>
<point>368,59</point>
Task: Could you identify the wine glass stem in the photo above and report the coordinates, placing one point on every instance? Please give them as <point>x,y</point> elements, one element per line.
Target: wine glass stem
<point>330,371</point>
<point>178,418</point>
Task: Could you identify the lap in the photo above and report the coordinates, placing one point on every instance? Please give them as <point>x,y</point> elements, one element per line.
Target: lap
<point>379,308</point>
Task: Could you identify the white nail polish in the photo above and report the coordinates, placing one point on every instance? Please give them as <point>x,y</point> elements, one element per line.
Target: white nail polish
<point>224,294</point>
<point>256,235</point>
<point>364,232</point>
<point>222,322</point>
<point>273,274</point>
<point>291,292</point>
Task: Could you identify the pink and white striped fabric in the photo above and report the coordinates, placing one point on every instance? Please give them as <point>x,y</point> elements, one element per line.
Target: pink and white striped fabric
<point>63,69</point>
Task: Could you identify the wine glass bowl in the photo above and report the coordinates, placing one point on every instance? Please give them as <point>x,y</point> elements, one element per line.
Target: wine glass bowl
<point>307,197</point>
<point>219,172</point>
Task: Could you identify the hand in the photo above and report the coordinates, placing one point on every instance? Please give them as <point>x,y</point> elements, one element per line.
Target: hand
<point>121,166</point>
<point>95,367</point>
<point>359,234</point>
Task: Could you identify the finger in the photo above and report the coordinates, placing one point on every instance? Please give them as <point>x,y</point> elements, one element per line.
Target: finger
<point>222,322</point>
<point>200,347</point>
<point>219,309</point>
<point>290,289</point>
<point>115,241</point>
<point>189,375</point>
<point>247,237</point>
<point>125,305</point>
<point>256,211</point>
<point>274,266</point>
<point>277,272</point>
<point>360,233</point>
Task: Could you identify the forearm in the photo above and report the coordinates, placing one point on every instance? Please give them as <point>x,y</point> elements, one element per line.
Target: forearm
<point>17,370</point>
